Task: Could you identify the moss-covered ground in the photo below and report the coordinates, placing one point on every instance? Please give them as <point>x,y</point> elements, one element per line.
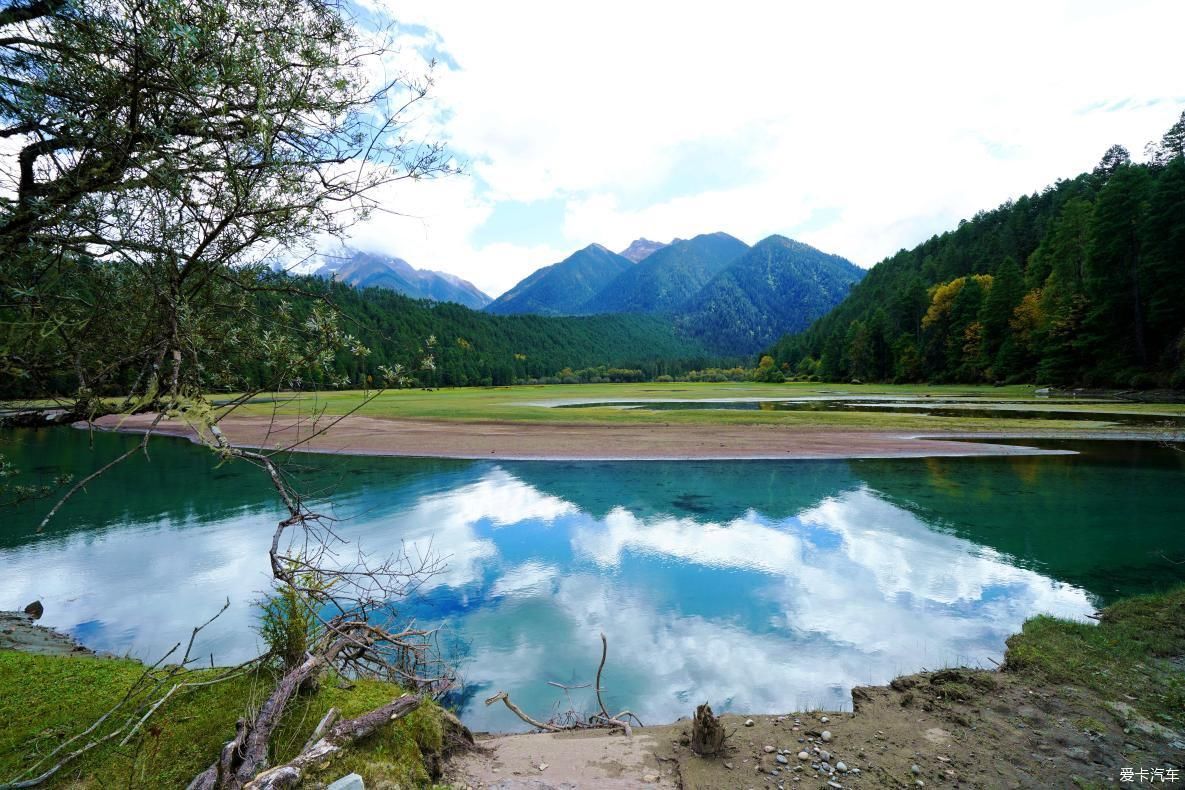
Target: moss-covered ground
<point>46,699</point>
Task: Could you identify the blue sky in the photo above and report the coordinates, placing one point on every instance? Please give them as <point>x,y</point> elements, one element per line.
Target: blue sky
<point>858,127</point>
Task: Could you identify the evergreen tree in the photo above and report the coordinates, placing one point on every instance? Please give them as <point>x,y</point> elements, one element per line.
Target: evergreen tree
<point>1113,281</point>
<point>1007,290</point>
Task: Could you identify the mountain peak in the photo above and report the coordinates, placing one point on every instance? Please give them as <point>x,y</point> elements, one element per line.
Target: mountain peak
<point>376,270</point>
<point>561,288</point>
<point>641,248</point>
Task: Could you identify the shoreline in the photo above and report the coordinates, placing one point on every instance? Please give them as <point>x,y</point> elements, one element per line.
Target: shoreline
<point>526,441</point>
<point>1038,720</point>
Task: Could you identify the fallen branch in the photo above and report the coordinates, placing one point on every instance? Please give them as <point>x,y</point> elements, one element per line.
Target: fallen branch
<point>325,724</point>
<point>602,719</point>
<point>517,711</point>
<point>339,736</point>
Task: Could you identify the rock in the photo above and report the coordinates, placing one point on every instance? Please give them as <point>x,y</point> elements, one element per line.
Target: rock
<point>542,766</point>
<point>915,769</point>
<point>749,722</point>
<point>1136,722</point>
<point>781,758</point>
<point>770,750</point>
<point>835,784</point>
<point>826,736</point>
<point>803,756</point>
<point>348,782</point>
<point>842,767</point>
<point>650,778</point>
<point>35,610</point>
<point>824,719</point>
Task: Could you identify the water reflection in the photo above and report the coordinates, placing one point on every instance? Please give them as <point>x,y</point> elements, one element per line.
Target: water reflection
<point>760,586</point>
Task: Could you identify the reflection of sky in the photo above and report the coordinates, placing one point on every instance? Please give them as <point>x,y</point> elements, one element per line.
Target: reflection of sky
<point>748,612</point>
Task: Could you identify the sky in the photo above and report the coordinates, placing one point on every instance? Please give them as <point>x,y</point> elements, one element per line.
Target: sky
<point>858,127</point>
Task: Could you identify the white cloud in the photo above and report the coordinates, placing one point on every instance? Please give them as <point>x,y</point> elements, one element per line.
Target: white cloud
<point>894,121</point>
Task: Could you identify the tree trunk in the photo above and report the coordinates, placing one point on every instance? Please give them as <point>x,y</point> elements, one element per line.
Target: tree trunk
<point>707,733</point>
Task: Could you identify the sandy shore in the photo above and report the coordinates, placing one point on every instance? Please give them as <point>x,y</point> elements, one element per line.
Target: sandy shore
<point>574,441</point>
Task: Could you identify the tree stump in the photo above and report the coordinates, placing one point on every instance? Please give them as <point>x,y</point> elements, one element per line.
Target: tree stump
<point>707,733</point>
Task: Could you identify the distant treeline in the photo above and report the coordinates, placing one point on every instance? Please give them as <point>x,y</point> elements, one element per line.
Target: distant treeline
<point>1081,284</point>
<point>472,348</point>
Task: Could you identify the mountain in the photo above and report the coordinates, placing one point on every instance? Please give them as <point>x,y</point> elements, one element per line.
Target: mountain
<point>665,280</point>
<point>1079,284</point>
<point>641,248</point>
<point>561,288</point>
<point>778,286</point>
<point>368,270</point>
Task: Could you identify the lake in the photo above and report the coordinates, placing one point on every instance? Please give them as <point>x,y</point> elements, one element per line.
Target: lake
<point>758,586</point>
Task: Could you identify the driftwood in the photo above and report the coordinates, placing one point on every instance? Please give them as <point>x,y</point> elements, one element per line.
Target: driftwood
<point>707,733</point>
<point>245,756</point>
<point>339,736</point>
<point>574,721</point>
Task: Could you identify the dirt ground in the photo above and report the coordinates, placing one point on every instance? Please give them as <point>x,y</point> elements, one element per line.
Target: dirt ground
<point>521,441</point>
<point>951,728</point>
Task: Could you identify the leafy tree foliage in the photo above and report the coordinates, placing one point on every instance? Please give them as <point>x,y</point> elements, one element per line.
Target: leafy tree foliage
<point>1082,284</point>
<point>156,154</point>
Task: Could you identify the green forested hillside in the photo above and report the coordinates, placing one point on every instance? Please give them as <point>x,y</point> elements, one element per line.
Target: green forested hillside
<point>561,288</point>
<point>778,286</point>
<point>1082,284</point>
<point>665,280</point>
<point>475,348</point>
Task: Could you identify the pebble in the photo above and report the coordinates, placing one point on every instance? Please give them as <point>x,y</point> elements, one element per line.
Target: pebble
<point>650,778</point>
<point>824,719</point>
<point>781,758</point>
<point>749,722</point>
<point>835,784</point>
<point>542,766</point>
<point>770,750</point>
<point>803,756</point>
<point>842,767</point>
<point>826,736</point>
<point>915,769</point>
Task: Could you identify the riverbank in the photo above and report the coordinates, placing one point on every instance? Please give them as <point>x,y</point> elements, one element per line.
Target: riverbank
<point>356,435</point>
<point>19,631</point>
<point>1074,705</point>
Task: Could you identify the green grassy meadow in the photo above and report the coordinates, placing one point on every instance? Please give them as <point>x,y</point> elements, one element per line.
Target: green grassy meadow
<point>528,404</point>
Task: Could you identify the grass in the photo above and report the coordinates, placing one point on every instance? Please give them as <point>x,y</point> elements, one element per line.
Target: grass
<point>45,699</point>
<point>1135,655</point>
<point>528,404</point>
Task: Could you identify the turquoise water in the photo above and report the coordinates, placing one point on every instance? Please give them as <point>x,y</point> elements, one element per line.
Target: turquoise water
<point>758,586</point>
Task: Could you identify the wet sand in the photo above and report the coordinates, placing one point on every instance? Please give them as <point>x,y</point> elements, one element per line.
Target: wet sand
<point>357,435</point>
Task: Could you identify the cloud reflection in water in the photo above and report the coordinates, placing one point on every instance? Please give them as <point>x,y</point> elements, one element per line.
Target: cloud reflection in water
<point>766,609</point>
